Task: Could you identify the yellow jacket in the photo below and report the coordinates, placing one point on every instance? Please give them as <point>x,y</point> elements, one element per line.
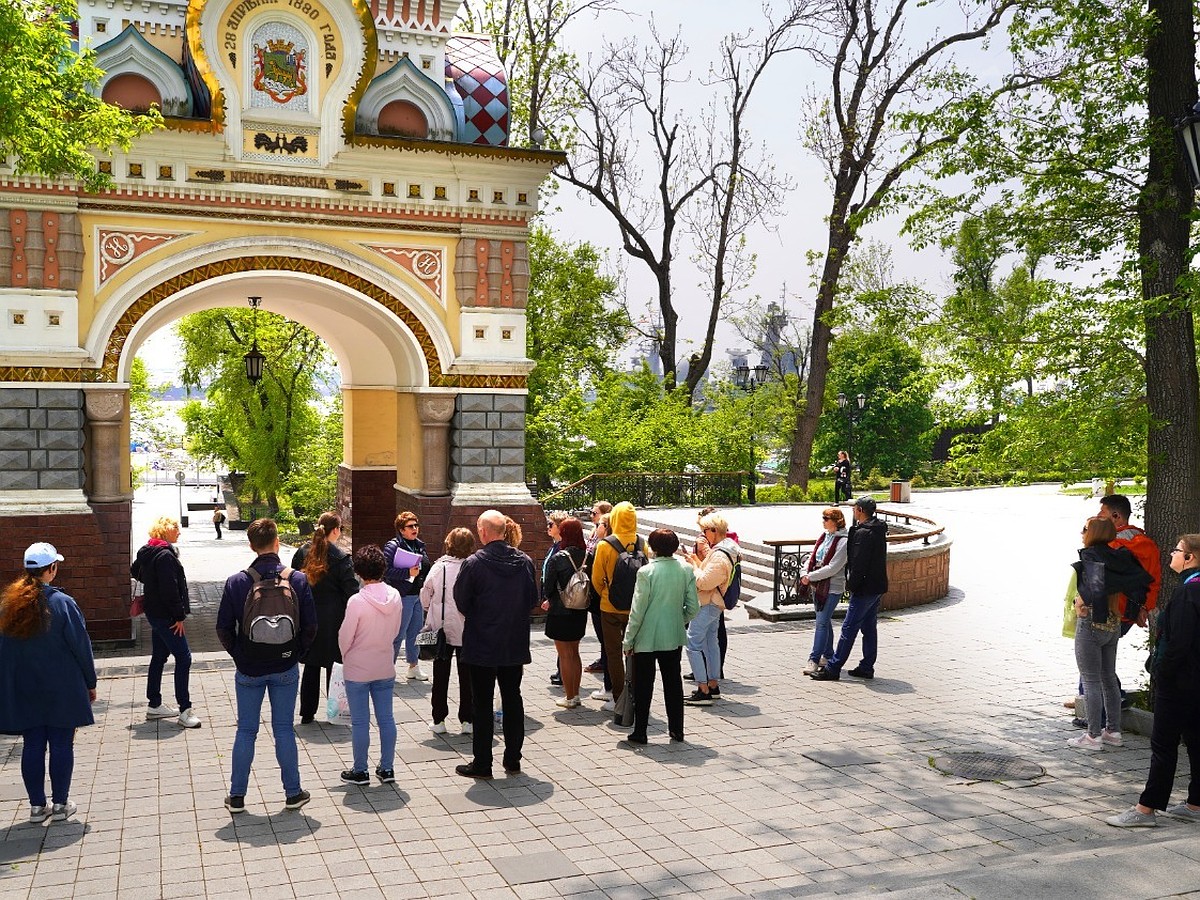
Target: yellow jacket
<point>624,527</point>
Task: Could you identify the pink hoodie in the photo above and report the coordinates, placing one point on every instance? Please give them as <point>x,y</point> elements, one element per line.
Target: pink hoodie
<point>369,631</point>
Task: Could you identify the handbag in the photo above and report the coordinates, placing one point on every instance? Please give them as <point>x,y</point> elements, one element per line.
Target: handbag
<point>623,711</point>
<point>138,606</point>
<point>337,707</point>
<point>432,645</point>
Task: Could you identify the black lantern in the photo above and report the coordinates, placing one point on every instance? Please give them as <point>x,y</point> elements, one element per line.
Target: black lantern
<point>254,359</point>
<point>748,379</point>
<point>1187,130</point>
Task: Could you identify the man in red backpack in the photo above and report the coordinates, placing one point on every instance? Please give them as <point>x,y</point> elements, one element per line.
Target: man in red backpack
<point>265,667</point>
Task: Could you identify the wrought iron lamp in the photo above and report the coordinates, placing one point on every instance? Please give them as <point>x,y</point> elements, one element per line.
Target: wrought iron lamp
<point>254,359</point>
<point>853,408</point>
<point>750,379</point>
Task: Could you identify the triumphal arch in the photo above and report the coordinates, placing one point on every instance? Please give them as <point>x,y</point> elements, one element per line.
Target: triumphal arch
<point>345,160</point>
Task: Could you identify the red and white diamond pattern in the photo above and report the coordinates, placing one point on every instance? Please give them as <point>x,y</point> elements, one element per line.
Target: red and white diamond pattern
<point>479,78</point>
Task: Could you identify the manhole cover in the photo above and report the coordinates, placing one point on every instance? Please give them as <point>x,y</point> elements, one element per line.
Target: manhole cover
<point>988,767</point>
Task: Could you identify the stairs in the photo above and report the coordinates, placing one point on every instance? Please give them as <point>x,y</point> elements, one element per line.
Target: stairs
<point>758,560</point>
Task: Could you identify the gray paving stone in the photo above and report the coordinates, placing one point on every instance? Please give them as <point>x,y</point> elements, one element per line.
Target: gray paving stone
<point>545,865</point>
<point>836,759</point>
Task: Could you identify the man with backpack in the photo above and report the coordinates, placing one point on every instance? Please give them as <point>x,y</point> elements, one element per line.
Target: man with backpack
<point>266,621</point>
<point>614,576</point>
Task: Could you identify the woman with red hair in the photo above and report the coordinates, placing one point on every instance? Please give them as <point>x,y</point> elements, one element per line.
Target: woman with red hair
<point>566,626</point>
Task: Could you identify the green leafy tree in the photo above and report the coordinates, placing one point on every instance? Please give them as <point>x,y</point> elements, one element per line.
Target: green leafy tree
<point>895,431</point>
<point>312,485</point>
<point>49,117</point>
<point>261,428</point>
<point>574,330</point>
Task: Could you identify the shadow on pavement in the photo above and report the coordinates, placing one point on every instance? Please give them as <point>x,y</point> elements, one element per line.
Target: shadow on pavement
<point>283,827</point>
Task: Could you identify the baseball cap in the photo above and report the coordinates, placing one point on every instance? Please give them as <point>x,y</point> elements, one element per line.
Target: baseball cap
<point>40,555</point>
<point>866,504</point>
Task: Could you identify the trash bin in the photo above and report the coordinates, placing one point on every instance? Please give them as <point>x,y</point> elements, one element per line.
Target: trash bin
<point>183,521</point>
<point>901,491</point>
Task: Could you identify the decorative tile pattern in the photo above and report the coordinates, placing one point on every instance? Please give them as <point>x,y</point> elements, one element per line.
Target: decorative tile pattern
<point>426,264</point>
<point>116,249</point>
<point>478,76</point>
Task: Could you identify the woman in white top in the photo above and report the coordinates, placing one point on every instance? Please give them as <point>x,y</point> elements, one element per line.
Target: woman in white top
<point>827,575</point>
<point>437,599</point>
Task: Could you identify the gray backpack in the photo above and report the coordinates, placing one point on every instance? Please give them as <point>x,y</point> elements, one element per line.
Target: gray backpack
<point>270,620</point>
<point>578,592</point>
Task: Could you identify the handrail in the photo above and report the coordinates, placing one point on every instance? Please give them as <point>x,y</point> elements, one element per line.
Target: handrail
<point>789,566</point>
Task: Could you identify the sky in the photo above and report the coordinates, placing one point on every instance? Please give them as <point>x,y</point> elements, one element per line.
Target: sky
<point>780,244</point>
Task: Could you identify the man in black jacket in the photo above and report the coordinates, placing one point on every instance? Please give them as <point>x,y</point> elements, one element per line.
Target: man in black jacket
<point>867,582</point>
<point>495,592</point>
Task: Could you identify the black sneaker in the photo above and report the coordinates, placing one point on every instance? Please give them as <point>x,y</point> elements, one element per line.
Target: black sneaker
<point>356,776</point>
<point>468,770</point>
<point>385,776</point>
<point>235,804</point>
<point>715,693</point>
<point>689,677</point>
<point>298,800</point>
<point>513,769</point>
<point>860,672</point>
<point>698,698</point>
<point>556,680</point>
<point>826,674</point>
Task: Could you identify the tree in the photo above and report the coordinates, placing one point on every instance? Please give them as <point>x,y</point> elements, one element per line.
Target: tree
<point>705,181</point>
<point>256,428</point>
<point>574,330</point>
<point>891,106</point>
<point>49,117</point>
<point>896,429</point>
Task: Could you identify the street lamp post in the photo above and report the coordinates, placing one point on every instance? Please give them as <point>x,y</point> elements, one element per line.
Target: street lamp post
<point>180,478</point>
<point>853,408</point>
<point>749,380</point>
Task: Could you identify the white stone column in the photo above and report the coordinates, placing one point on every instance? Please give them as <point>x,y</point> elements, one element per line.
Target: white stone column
<point>436,411</point>
<point>105,411</point>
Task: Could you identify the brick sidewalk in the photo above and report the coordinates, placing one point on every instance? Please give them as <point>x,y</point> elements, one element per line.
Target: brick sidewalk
<point>786,788</point>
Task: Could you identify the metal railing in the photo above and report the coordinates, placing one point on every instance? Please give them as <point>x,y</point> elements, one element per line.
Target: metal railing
<point>651,489</point>
<point>791,555</point>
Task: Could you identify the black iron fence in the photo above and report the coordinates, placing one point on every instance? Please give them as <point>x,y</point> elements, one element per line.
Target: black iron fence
<point>651,489</point>
<point>791,556</point>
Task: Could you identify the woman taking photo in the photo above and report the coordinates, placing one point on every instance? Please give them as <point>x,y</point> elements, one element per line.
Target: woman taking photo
<point>713,576</point>
<point>47,680</point>
<point>437,600</point>
<point>826,574</point>
<point>158,568</point>
<point>330,574</point>
<point>1175,667</point>
<point>566,626</point>
<point>1103,572</point>
<point>664,601</point>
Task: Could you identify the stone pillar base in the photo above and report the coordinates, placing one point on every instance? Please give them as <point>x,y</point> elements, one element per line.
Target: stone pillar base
<point>94,542</point>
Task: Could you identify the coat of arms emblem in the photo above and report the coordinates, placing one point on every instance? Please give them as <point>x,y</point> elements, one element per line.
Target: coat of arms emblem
<point>280,71</point>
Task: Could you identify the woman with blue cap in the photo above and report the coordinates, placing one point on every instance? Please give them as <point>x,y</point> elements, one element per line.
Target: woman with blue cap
<point>47,679</point>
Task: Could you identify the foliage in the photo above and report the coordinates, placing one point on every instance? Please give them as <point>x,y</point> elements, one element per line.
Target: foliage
<point>894,431</point>
<point>312,485</point>
<point>144,421</point>
<point>573,333</point>
<point>261,428</point>
<point>49,119</point>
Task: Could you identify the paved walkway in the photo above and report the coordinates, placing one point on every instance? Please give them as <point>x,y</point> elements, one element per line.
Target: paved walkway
<point>786,788</point>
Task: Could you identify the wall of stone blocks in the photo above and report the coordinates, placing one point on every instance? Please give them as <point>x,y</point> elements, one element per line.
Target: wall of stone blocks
<point>917,575</point>
<point>41,439</point>
<point>487,439</point>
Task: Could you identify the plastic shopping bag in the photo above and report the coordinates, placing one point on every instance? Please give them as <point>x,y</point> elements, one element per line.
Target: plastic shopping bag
<point>337,708</point>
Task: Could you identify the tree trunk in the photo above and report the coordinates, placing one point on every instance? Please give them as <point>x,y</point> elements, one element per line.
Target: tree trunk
<point>1172,395</point>
<point>808,418</point>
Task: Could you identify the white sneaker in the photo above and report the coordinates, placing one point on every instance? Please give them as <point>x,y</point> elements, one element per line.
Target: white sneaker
<point>39,813</point>
<point>567,702</point>
<point>63,811</point>
<point>188,719</point>
<point>601,695</point>
<point>1085,742</point>
<point>811,667</point>
<point>161,712</point>
<point>415,673</point>
<point>1112,738</point>
<point>468,728</point>
<point>610,706</point>
<point>438,727</point>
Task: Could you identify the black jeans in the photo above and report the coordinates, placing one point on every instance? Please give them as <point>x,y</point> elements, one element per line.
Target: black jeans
<point>595,614</point>
<point>483,686</point>
<point>310,688</point>
<point>643,690</point>
<point>840,488</point>
<point>1176,716</point>
<point>441,688</point>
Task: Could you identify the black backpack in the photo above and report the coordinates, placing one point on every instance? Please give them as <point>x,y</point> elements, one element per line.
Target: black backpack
<point>623,580</point>
<point>271,617</point>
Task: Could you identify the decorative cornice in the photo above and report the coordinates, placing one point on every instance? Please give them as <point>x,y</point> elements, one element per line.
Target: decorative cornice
<point>107,372</point>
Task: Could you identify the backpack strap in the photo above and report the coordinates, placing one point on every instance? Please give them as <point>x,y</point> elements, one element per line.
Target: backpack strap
<point>732,567</point>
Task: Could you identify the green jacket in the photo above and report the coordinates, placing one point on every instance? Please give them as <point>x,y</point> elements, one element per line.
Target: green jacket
<point>664,601</point>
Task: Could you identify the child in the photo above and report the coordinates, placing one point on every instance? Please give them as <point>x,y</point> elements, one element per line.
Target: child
<point>370,640</point>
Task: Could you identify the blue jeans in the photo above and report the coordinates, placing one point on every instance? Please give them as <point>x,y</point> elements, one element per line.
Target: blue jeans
<point>61,742</point>
<point>861,615</point>
<point>282,688</point>
<point>164,643</point>
<point>361,695</point>
<point>703,651</point>
<point>823,631</point>
<point>410,626</point>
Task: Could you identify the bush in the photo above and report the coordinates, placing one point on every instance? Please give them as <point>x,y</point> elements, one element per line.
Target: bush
<point>781,493</point>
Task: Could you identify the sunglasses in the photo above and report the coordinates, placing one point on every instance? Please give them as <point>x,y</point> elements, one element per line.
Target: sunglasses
<point>413,525</point>
<point>828,519</point>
